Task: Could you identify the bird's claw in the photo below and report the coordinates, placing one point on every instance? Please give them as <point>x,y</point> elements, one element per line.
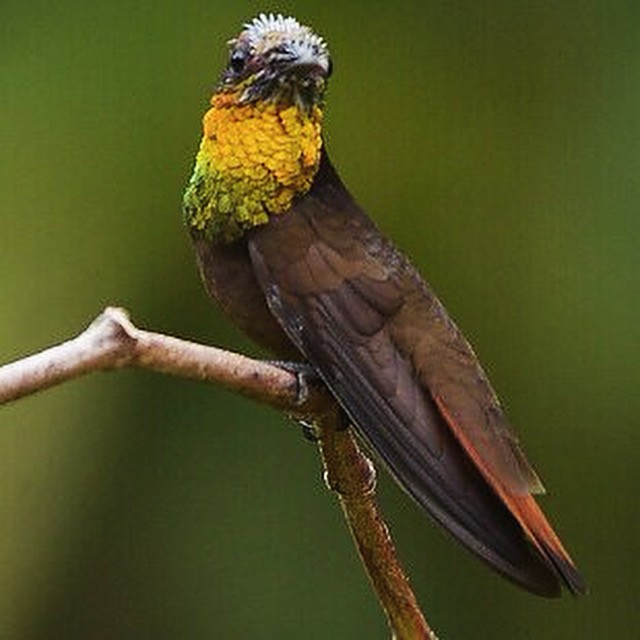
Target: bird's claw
<point>305,375</point>
<point>309,431</point>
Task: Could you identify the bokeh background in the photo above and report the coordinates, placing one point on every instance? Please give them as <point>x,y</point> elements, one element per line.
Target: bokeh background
<point>496,141</point>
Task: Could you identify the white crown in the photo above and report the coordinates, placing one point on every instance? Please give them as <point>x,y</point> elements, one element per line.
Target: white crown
<point>262,29</point>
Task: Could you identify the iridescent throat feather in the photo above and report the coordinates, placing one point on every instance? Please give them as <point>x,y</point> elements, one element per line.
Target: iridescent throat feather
<point>254,159</point>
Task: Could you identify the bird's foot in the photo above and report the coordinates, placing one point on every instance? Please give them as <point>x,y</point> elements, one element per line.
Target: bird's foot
<point>305,374</point>
<point>310,431</point>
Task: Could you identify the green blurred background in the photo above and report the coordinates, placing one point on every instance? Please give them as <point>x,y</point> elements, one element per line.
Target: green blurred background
<point>496,141</point>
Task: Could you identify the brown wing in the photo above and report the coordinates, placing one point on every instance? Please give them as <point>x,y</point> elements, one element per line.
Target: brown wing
<point>401,370</point>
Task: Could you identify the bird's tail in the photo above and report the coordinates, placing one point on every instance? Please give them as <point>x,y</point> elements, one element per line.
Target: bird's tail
<point>528,514</point>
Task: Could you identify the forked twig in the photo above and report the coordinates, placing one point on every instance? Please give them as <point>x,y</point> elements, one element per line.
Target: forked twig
<point>113,342</point>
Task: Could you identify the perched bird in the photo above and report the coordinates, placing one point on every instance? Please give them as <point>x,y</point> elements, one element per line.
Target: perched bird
<point>291,257</point>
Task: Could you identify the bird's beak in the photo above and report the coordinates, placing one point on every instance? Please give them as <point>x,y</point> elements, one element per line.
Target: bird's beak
<point>306,64</point>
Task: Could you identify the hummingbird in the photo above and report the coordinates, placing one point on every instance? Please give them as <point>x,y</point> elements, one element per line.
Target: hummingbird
<point>289,255</point>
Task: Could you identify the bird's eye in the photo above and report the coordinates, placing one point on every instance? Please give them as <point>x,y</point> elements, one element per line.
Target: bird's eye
<point>238,61</point>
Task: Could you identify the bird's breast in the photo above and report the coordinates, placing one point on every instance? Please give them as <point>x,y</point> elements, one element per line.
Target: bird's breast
<point>254,159</point>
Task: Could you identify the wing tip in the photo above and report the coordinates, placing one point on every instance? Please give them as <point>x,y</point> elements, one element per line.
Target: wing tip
<point>566,571</point>
<point>544,573</point>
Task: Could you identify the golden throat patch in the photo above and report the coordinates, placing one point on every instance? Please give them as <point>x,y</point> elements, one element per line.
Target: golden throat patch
<point>253,160</point>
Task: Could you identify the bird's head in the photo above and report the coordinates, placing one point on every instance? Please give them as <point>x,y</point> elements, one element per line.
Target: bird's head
<point>276,59</point>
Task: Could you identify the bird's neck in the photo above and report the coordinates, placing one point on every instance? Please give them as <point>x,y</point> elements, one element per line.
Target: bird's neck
<point>254,159</point>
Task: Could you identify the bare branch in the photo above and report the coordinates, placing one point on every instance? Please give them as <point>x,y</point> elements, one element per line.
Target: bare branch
<point>112,342</point>
<point>101,346</point>
<point>351,475</point>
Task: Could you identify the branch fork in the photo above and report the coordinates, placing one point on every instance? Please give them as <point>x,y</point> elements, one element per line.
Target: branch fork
<point>112,341</point>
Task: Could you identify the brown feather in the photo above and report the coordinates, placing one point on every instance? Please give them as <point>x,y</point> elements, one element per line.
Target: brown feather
<point>386,348</point>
